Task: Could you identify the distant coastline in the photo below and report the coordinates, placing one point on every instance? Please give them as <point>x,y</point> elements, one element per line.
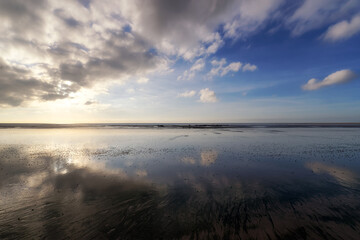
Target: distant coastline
<point>179,125</point>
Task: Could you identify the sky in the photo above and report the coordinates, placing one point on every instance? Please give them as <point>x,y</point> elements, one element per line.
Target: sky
<point>179,61</point>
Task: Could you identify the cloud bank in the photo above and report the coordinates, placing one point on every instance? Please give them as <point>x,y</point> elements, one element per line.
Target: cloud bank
<point>51,49</point>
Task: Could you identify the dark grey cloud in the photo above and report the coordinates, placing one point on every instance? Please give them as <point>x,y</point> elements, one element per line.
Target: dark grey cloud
<point>70,60</point>
<point>177,27</point>
<point>16,87</point>
<point>68,20</point>
<point>85,3</point>
<point>75,72</point>
<point>121,55</point>
<point>63,51</point>
<point>192,29</point>
<point>23,16</point>
<point>90,102</point>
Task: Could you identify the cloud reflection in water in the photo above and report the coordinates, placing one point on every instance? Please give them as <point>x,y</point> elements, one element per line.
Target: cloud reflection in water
<point>93,192</point>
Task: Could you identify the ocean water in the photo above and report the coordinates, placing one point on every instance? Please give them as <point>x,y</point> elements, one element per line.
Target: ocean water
<point>180,183</point>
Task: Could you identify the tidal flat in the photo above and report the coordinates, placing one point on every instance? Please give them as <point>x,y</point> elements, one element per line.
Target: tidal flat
<point>180,183</point>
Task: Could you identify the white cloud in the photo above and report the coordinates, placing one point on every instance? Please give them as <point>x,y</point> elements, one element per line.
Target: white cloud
<point>217,67</point>
<point>221,69</point>
<point>338,77</point>
<point>216,43</point>
<point>249,17</point>
<point>249,67</point>
<point>343,30</point>
<point>187,94</point>
<point>207,96</point>
<point>310,15</point>
<point>314,14</point>
<point>196,67</point>
<point>142,80</point>
<point>233,67</point>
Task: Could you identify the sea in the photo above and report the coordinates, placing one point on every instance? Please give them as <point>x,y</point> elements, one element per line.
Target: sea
<point>180,181</point>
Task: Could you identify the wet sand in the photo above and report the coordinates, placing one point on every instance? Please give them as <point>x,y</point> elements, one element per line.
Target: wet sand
<point>180,183</point>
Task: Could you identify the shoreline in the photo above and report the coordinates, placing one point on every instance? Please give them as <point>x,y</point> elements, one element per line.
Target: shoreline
<point>179,125</point>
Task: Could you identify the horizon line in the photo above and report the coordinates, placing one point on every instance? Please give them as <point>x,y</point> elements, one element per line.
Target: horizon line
<point>178,125</point>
